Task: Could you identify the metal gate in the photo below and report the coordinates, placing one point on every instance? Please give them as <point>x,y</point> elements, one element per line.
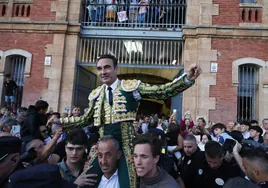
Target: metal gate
<point>85,83</point>
<point>247,92</point>
<point>133,53</point>
<point>17,71</point>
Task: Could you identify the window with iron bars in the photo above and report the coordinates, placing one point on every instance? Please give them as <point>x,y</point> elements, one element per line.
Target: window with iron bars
<point>248,88</point>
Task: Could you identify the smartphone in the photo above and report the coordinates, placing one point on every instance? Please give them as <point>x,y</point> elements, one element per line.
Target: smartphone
<point>174,110</point>
<point>15,131</point>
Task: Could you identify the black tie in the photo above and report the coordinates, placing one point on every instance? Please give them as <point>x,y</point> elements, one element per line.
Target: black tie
<point>110,96</point>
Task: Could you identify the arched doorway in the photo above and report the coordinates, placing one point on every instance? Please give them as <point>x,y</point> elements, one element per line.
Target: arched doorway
<point>15,66</point>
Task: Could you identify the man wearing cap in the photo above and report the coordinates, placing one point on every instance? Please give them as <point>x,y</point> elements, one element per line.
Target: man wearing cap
<point>9,157</point>
<point>256,134</point>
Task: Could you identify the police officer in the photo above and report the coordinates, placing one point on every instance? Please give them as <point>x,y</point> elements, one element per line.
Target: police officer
<point>254,163</point>
<point>214,172</point>
<point>9,157</point>
<point>190,160</point>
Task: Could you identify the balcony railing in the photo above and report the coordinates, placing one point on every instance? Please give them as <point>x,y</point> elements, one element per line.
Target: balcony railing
<point>162,14</point>
<point>136,53</point>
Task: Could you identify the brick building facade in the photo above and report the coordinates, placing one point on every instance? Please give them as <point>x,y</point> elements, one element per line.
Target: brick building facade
<point>228,33</point>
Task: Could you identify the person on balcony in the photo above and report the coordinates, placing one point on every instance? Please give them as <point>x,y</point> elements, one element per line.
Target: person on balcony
<point>113,108</point>
<point>143,9</point>
<point>92,7</point>
<point>133,12</point>
<point>96,11</point>
<point>111,11</point>
<point>100,12</point>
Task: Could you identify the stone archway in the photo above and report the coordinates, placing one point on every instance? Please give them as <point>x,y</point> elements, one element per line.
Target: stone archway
<point>261,105</point>
<point>6,60</point>
<point>238,62</point>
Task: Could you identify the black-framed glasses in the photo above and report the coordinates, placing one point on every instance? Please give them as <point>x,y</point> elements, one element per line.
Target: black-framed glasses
<point>3,157</point>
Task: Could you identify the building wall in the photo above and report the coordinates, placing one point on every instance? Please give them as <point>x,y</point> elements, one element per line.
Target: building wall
<point>35,44</point>
<point>216,33</point>
<point>51,29</point>
<point>225,91</point>
<point>228,13</point>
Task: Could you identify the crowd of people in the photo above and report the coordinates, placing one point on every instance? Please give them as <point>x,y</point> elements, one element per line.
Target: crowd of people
<point>110,145</point>
<point>166,152</point>
<point>142,13</point>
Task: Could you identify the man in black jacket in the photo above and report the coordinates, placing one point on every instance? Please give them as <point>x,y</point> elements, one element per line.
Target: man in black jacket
<point>10,91</point>
<point>34,118</point>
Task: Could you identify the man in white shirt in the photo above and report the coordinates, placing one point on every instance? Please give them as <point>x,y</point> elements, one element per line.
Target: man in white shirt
<point>109,154</point>
<point>145,125</point>
<point>245,126</point>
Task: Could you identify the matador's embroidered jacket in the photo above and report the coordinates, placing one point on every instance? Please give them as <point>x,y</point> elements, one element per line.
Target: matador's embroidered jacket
<point>117,119</point>
<point>125,101</point>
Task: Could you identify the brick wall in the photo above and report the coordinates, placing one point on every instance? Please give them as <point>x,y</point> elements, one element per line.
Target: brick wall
<point>228,13</point>
<point>38,11</point>
<point>41,11</point>
<point>35,44</point>
<point>225,94</point>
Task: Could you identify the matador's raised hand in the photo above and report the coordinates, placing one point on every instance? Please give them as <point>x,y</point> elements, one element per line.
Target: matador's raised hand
<point>193,72</point>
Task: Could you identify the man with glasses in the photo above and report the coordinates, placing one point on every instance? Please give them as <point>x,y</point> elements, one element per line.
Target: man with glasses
<point>9,157</point>
<point>72,168</point>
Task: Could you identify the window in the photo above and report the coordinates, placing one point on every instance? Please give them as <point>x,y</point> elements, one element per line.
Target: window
<point>247,92</point>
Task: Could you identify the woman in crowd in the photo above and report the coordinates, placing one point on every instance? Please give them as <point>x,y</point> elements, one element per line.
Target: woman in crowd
<point>204,138</point>
<point>174,140</point>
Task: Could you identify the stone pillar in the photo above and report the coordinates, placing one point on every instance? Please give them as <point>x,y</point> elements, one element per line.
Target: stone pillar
<point>68,72</point>
<point>197,49</point>
<point>54,72</point>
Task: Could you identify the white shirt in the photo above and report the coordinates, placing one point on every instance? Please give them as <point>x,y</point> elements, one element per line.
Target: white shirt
<point>246,135</point>
<point>113,86</point>
<point>160,127</point>
<point>113,182</point>
<point>201,146</point>
<point>144,128</point>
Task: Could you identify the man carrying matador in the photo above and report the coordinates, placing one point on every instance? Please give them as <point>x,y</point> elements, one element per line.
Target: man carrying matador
<point>114,105</point>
